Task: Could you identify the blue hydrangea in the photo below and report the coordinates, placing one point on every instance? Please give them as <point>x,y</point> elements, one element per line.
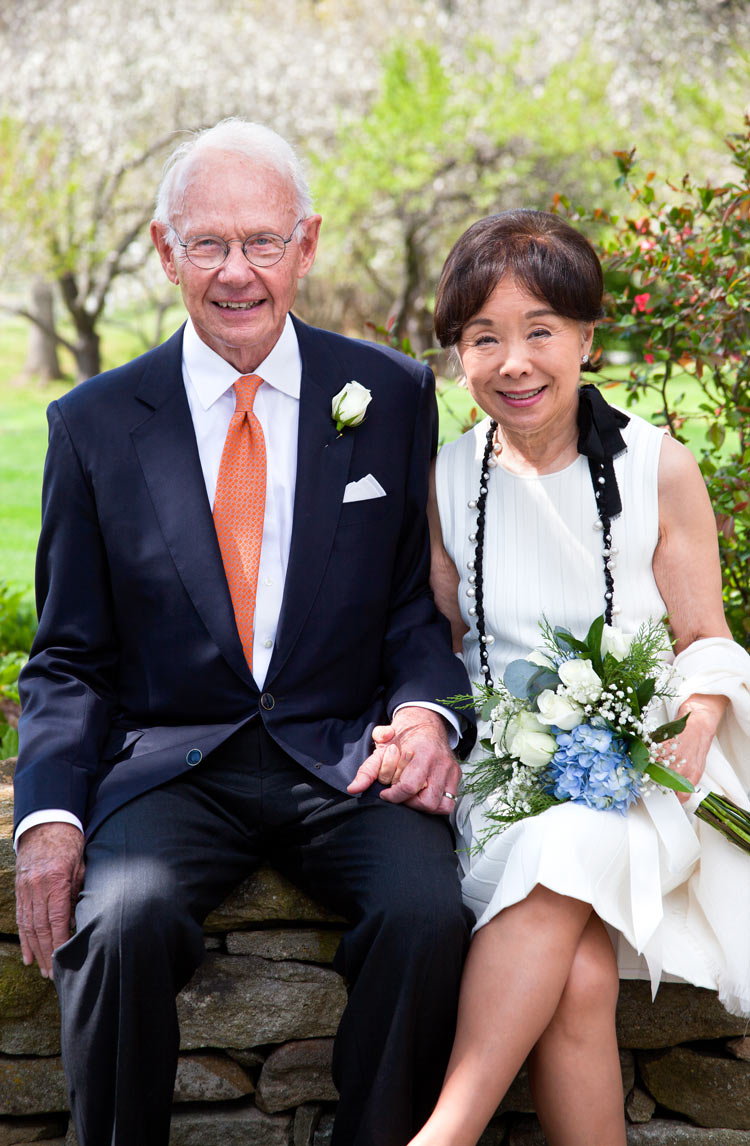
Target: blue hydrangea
<point>591,766</point>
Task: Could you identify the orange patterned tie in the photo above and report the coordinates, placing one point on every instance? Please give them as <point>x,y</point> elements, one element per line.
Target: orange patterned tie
<point>239,505</point>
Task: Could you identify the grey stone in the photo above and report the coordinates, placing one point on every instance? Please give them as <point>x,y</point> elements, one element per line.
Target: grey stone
<point>15,1131</point>
<point>517,1097</point>
<point>711,1091</point>
<point>680,1013</point>
<point>295,1073</point>
<point>662,1132</point>
<point>230,1126</point>
<point>306,1121</point>
<point>32,1086</point>
<point>29,1013</point>
<point>324,1131</point>
<point>266,897</point>
<point>526,1131</point>
<point>304,946</point>
<point>494,1135</point>
<point>639,1106</point>
<point>7,855</point>
<point>249,1059</point>
<point>657,1132</point>
<point>740,1048</point>
<point>210,1078</point>
<point>243,1001</point>
<point>212,942</point>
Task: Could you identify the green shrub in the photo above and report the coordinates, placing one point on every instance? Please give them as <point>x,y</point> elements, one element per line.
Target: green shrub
<point>678,276</point>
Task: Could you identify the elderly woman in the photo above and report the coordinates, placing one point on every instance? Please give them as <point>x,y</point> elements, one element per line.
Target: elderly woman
<point>558,504</point>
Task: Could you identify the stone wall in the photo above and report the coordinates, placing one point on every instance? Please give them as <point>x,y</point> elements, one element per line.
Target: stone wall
<point>257,1023</point>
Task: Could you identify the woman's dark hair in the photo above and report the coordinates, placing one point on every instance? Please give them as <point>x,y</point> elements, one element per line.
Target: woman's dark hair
<point>542,252</point>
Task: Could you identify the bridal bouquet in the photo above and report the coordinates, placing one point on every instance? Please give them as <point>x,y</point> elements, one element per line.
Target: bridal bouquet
<point>575,721</point>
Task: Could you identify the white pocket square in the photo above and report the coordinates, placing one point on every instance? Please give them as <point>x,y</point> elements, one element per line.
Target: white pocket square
<point>364,489</point>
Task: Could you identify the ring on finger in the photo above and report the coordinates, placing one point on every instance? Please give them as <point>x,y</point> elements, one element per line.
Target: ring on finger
<point>450,795</point>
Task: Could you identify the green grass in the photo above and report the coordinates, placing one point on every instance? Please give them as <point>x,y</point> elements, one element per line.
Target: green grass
<point>23,433</point>
<point>23,429</point>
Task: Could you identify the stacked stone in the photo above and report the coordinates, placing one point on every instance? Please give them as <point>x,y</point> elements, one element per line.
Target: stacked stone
<point>258,1021</point>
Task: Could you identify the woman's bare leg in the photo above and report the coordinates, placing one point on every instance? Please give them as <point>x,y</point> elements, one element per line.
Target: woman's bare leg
<point>515,974</point>
<point>574,1068</point>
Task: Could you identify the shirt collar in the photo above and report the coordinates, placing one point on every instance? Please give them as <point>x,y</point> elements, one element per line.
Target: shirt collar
<point>211,375</point>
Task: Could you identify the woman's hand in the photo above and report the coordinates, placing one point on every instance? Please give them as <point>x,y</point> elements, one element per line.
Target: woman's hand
<point>687,752</point>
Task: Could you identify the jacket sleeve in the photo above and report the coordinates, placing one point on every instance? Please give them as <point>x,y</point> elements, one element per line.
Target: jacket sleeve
<point>67,688</point>
<point>419,662</point>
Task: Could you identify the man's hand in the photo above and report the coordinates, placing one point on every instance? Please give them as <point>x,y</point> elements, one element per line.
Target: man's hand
<point>413,756</point>
<point>49,875</point>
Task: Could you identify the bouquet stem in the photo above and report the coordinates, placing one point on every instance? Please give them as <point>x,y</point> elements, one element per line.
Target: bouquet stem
<point>727,818</point>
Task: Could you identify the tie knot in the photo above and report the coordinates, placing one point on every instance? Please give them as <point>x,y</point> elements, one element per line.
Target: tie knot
<point>245,389</point>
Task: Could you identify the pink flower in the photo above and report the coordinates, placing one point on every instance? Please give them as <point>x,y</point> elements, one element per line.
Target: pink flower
<point>641,303</point>
<point>649,358</point>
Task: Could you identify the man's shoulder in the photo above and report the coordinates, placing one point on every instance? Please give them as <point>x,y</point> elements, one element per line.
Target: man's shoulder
<point>363,354</point>
<point>124,381</point>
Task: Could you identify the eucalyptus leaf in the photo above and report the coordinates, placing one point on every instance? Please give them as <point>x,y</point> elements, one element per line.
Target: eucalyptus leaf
<point>566,642</point>
<point>488,708</point>
<point>517,678</point>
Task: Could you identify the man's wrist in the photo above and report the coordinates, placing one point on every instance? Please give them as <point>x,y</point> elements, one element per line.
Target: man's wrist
<point>448,722</point>
<point>46,816</point>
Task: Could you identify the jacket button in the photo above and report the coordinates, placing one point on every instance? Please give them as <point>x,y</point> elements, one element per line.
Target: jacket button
<point>267,701</point>
<point>194,757</point>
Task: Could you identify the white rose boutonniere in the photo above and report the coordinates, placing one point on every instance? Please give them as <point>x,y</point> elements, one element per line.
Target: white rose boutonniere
<point>349,405</point>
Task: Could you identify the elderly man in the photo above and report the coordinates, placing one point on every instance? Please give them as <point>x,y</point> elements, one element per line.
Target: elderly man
<point>232,577</point>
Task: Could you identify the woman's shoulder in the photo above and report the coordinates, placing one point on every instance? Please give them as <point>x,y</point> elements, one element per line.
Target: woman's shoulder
<point>467,448</point>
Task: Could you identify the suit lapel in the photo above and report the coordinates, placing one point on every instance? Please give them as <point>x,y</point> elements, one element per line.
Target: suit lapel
<point>323,461</point>
<point>168,454</point>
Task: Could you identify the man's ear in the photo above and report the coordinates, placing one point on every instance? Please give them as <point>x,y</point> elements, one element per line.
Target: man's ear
<point>308,243</point>
<point>158,232</point>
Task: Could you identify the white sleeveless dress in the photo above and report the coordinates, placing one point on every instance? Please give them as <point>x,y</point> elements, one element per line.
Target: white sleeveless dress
<point>674,894</point>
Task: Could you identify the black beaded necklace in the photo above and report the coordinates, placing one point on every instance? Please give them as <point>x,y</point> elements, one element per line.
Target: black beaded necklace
<point>600,441</point>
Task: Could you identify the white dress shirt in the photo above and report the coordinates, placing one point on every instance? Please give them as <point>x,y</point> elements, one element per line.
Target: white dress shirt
<point>209,380</point>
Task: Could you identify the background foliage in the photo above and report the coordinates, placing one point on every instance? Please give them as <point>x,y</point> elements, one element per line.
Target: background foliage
<point>414,118</point>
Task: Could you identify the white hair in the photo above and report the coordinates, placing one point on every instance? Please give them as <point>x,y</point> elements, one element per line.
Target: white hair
<point>241,137</point>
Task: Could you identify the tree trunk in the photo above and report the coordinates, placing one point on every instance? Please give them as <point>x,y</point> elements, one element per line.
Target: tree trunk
<point>41,355</point>
<point>87,353</point>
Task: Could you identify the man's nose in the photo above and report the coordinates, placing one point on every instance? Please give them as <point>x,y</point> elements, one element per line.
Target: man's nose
<point>235,267</point>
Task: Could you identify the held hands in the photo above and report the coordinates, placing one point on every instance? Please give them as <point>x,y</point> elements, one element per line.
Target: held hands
<point>413,756</point>
<point>49,875</point>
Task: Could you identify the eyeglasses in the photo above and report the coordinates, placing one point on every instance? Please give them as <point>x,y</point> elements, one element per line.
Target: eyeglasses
<point>261,250</point>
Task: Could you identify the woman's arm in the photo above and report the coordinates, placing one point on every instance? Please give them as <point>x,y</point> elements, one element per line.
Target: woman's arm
<point>688,575</point>
<point>444,579</point>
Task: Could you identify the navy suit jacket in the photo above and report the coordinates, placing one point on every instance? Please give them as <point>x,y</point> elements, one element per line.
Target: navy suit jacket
<point>137,669</point>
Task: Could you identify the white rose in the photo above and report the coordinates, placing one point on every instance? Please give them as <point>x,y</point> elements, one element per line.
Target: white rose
<point>529,740</point>
<point>582,683</point>
<point>616,642</point>
<point>539,657</point>
<point>349,405</point>
<point>559,710</point>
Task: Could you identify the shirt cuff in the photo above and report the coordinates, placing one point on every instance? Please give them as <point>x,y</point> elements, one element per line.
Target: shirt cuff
<point>45,816</point>
<point>454,731</point>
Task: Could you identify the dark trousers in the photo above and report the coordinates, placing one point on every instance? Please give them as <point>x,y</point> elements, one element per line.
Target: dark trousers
<point>159,864</point>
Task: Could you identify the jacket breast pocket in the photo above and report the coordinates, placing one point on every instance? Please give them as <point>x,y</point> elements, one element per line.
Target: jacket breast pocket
<point>364,512</point>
